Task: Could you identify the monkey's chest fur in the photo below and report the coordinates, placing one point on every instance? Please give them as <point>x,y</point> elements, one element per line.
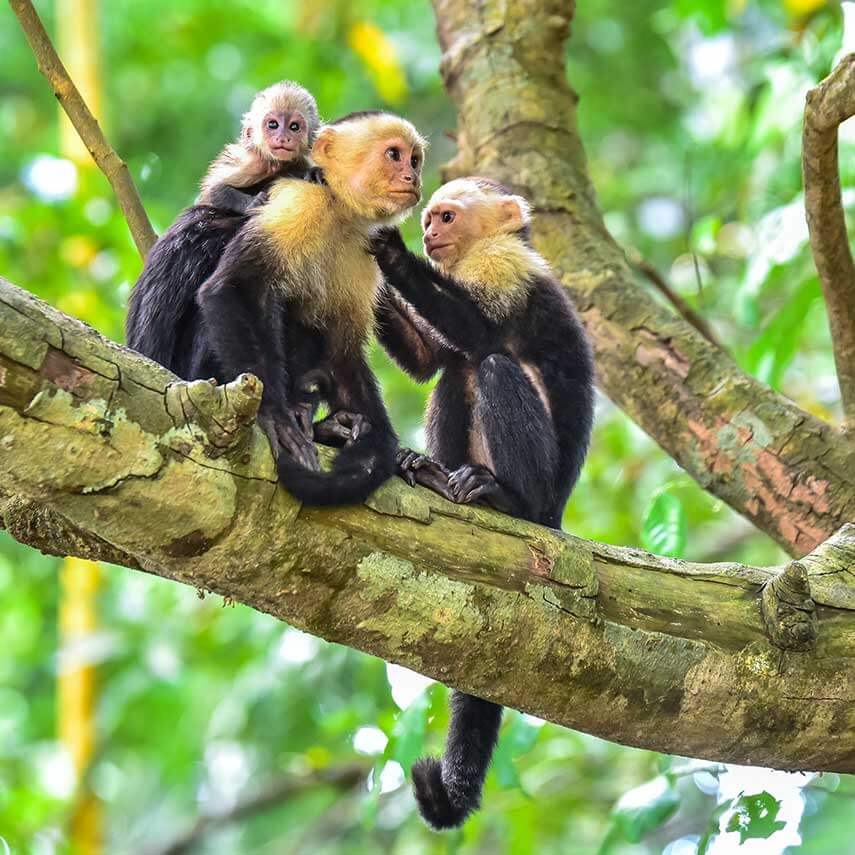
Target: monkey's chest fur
<point>322,266</point>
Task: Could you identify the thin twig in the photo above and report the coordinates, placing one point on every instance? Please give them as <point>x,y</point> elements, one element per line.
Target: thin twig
<point>340,778</point>
<point>826,108</point>
<point>683,308</point>
<point>86,125</point>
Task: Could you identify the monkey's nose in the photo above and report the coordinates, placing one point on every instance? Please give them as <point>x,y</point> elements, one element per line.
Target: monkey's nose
<point>408,177</point>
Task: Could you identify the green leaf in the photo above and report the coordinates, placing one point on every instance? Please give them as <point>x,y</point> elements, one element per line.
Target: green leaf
<point>645,808</point>
<point>773,350</point>
<point>755,816</point>
<point>517,739</point>
<point>408,737</point>
<point>664,528</point>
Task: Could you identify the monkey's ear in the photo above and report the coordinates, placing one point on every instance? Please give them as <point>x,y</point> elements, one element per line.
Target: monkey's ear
<point>323,145</point>
<point>514,212</point>
<point>246,133</point>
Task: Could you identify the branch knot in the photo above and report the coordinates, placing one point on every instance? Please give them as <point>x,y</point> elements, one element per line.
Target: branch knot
<point>789,612</point>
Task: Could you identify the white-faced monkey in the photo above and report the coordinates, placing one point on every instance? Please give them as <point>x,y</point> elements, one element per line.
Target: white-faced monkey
<point>163,321</point>
<point>510,419</point>
<point>295,292</point>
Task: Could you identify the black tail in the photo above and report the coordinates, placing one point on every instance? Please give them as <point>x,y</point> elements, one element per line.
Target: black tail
<point>448,790</point>
<point>357,472</point>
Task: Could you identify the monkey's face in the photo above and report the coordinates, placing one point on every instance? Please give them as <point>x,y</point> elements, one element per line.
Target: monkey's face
<point>391,175</point>
<point>463,212</point>
<point>374,164</point>
<point>284,135</point>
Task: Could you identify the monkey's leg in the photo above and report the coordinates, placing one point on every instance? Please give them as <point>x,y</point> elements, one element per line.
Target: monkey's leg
<point>519,436</point>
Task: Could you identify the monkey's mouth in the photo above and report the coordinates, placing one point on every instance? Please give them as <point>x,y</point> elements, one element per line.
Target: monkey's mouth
<point>431,248</point>
<point>283,152</point>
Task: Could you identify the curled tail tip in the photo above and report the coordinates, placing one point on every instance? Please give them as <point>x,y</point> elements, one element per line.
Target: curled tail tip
<point>432,796</point>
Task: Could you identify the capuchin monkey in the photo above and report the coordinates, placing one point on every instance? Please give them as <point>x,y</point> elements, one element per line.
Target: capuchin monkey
<point>509,421</point>
<point>295,292</point>
<point>276,136</point>
<point>163,320</point>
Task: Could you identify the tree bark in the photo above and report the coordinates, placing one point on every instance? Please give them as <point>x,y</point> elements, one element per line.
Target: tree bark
<point>788,472</point>
<point>104,454</point>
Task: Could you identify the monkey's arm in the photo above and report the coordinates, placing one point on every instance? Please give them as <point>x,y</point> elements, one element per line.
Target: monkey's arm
<point>407,338</point>
<point>181,260</point>
<point>228,198</point>
<point>438,298</point>
<point>243,321</point>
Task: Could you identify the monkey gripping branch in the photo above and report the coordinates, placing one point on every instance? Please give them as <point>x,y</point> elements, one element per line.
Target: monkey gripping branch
<point>108,456</point>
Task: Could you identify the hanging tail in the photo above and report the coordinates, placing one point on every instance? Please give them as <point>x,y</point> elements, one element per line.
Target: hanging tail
<point>448,790</point>
<point>357,472</point>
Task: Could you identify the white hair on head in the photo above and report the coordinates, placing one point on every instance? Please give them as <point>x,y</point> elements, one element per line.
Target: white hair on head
<point>477,189</point>
<point>281,97</point>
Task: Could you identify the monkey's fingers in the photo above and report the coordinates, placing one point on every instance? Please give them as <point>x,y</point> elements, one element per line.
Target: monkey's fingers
<point>404,462</point>
<point>298,446</point>
<point>330,432</point>
<point>304,413</point>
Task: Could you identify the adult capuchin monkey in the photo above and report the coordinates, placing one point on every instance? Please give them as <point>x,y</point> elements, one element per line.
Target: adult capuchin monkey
<point>295,293</point>
<point>163,320</point>
<point>510,419</point>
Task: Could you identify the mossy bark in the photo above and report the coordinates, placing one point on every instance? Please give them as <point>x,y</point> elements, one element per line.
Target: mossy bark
<point>790,473</point>
<point>106,455</point>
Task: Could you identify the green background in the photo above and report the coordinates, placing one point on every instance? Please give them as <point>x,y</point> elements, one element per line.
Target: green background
<point>691,114</point>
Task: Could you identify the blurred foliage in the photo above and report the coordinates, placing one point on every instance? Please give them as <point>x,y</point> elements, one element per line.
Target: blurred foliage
<point>691,114</point>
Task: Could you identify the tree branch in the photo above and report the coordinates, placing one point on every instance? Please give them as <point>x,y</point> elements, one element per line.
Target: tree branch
<point>698,321</point>
<point>106,454</point>
<point>277,793</point>
<point>788,472</point>
<point>113,167</point>
<point>826,108</point>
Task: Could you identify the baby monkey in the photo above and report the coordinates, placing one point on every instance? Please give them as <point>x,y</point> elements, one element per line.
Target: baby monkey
<point>275,139</point>
<point>510,419</point>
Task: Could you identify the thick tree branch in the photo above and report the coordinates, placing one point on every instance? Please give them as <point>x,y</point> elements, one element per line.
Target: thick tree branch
<point>106,454</point>
<point>113,167</point>
<point>785,470</point>
<point>826,108</point>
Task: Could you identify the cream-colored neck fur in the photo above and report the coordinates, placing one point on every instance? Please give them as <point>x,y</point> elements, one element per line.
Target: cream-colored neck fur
<point>321,248</point>
<point>497,272</point>
<point>238,167</point>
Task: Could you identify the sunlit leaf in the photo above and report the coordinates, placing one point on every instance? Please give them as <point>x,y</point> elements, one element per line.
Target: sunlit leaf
<point>664,528</point>
<point>755,816</point>
<point>408,737</point>
<point>377,53</point>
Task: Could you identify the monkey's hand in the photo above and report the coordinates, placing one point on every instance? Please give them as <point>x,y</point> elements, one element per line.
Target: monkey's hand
<point>341,428</point>
<point>261,198</point>
<point>387,246</point>
<point>315,175</point>
<point>417,468</point>
<point>472,483</point>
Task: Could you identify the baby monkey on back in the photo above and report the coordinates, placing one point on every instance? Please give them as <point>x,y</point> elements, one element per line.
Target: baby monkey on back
<point>510,419</point>
<point>163,320</point>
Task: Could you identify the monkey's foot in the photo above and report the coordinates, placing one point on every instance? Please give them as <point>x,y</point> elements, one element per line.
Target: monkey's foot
<point>471,483</point>
<point>292,440</point>
<point>341,428</point>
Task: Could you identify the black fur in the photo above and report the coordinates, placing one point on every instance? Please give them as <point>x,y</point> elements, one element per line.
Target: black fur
<point>536,453</point>
<point>255,326</point>
<point>163,320</point>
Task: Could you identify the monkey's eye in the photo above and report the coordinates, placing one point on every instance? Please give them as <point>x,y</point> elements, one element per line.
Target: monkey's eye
<point>393,154</point>
<point>294,126</point>
<point>447,216</point>
<point>272,124</point>
<point>414,161</point>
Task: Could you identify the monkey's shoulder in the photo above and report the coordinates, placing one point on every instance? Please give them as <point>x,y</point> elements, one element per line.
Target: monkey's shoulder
<point>298,213</point>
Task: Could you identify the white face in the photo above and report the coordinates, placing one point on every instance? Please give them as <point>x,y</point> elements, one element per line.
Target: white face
<point>454,221</point>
